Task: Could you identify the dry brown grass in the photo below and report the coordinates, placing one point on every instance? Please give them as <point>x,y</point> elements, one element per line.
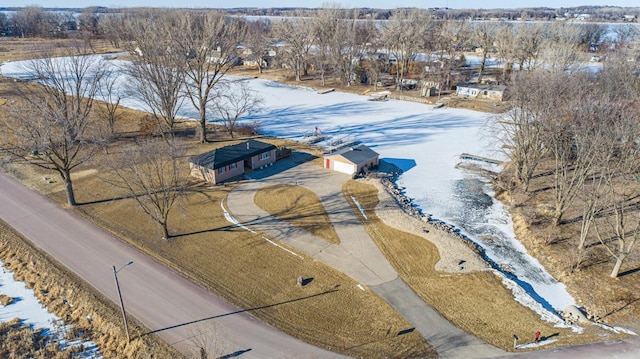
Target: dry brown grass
<point>330,311</point>
<point>15,48</point>
<point>69,297</point>
<point>5,300</point>
<point>478,303</point>
<point>298,206</point>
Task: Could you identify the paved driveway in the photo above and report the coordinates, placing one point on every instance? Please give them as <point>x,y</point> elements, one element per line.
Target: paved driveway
<point>357,254</point>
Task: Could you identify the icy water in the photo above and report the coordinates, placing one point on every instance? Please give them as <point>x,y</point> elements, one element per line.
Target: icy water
<point>487,222</point>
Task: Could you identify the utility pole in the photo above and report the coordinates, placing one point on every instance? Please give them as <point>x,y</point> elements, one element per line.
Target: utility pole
<point>124,314</point>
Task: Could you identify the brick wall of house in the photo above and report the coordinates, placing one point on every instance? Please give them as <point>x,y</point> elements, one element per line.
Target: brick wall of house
<point>226,172</point>
<point>256,162</point>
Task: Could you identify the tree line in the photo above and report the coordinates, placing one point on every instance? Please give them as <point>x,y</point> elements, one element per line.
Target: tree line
<point>580,131</point>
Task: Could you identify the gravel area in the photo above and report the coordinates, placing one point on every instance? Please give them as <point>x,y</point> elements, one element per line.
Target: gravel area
<point>456,256</point>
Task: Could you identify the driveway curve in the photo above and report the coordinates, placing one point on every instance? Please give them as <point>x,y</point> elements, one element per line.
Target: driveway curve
<point>357,255</point>
<point>164,301</point>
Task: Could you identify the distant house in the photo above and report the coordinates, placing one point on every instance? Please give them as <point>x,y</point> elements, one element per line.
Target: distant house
<point>352,160</point>
<point>231,161</point>
<point>481,91</point>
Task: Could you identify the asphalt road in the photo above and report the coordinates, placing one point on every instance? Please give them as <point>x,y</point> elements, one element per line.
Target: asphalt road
<point>161,299</point>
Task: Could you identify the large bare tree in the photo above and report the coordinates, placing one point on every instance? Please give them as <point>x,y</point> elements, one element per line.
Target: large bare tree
<point>298,40</point>
<point>52,125</point>
<point>560,47</point>
<point>157,68</point>
<point>258,41</point>
<point>209,40</point>
<point>522,127</point>
<point>154,173</point>
<point>324,28</point>
<point>354,37</point>
<point>622,218</point>
<point>404,35</point>
<point>528,46</point>
<point>484,35</point>
<point>111,93</point>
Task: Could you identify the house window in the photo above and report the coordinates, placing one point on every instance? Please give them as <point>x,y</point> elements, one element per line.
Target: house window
<point>232,166</point>
<point>222,170</point>
<point>264,156</point>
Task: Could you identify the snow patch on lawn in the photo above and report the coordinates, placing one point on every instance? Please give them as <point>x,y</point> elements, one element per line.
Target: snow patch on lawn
<point>616,330</point>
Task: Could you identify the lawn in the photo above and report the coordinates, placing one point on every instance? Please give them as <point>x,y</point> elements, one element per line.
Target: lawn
<point>477,302</point>
<point>298,206</point>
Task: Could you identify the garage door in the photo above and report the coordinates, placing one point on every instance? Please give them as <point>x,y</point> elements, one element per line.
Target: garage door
<point>347,168</point>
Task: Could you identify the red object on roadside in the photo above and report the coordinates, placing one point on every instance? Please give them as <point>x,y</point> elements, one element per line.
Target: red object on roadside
<point>537,336</point>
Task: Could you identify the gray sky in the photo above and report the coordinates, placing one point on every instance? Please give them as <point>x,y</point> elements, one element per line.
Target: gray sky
<point>383,4</point>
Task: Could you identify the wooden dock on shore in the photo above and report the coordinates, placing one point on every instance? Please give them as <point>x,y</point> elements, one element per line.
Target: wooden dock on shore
<point>468,156</point>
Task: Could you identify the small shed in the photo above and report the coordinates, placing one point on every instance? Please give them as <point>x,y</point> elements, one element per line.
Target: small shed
<point>352,160</point>
<point>231,161</point>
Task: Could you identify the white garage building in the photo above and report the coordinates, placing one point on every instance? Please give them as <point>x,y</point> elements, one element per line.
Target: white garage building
<point>351,160</point>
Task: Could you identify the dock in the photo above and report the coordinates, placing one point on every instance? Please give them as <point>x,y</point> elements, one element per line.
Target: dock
<point>325,91</point>
<point>468,156</point>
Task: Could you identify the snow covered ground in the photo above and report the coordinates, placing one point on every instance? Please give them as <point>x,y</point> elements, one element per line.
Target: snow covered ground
<point>27,307</point>
<point>426,144</point>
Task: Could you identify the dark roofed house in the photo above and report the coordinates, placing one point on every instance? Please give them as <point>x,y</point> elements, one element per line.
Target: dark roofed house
<point>230,161</point>
<point>352,160</point>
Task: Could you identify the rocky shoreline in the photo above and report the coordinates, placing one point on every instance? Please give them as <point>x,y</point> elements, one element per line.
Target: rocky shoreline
<point>458,253</point>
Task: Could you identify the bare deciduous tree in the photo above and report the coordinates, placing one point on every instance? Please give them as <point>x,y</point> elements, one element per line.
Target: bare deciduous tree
<point>591,35</point>
<point>450,40</point>
<point>297,35</point>
<point>209,41</point>
<point>505,44</point>
<point>153,172</point>
<point>404,36</point>
<point>235,100</point>
<point>621,174</point>
<point>353,39</point>
<point>157,69</point>
<point>559,51</point>
<point>52,125</point>
<point>258,41</point>
<point>325,30</point>
<point>111,93</point>
<point>522,127</point>
<point>484,36</point>
<point>528,46</point>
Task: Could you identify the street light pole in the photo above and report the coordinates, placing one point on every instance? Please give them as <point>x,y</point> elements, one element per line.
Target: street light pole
<point>124,315</point>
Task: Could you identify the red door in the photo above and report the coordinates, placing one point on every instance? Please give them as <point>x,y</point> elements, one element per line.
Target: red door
<point>327,163</point>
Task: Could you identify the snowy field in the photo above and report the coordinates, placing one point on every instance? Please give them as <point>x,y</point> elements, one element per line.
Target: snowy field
<point>426,144</point>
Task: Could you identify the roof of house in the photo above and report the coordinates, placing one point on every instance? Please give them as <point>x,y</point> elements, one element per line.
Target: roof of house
<point>227,155</point>
<point>482,86</point>
<point>356,155</point>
